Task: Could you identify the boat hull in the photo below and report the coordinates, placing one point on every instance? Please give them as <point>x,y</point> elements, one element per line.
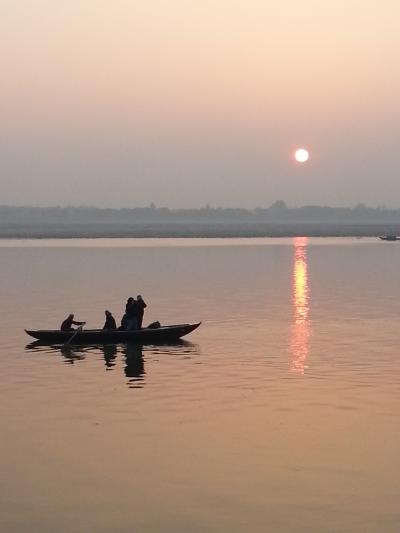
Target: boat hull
<point>390,238</point>
<point>90,336</point>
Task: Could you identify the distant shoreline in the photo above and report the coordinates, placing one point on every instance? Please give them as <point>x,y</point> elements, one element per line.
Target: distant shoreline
<point>194,230</point>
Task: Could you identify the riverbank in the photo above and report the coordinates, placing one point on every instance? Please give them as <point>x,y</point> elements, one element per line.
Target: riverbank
<point>66,231</point>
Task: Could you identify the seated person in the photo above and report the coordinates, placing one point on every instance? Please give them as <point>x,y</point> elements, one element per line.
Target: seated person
<point>123,323</point>
<point>110,321</point>
<point>67,324</point>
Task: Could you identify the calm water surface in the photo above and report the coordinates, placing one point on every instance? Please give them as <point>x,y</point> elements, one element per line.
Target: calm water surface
<point>280,414</point>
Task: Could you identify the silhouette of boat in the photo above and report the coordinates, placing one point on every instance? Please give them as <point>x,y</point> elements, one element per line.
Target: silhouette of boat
<point>389,238</point>
<point>89,336</point>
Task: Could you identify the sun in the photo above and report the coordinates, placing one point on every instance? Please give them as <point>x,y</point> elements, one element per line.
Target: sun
<point>301,155</point>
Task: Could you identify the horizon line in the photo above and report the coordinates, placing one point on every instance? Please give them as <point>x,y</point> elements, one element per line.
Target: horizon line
<point>278,204</point>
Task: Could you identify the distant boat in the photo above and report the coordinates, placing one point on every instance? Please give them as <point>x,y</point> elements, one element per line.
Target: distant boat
<point>389,238</point>
<point>89,336</point>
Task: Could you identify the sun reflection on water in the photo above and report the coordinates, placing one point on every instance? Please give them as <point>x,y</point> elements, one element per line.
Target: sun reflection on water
<point>299,346</point>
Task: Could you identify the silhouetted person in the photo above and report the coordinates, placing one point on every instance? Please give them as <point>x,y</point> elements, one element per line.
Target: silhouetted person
<point>110,321</point>
<point>123,323</point>
<point>141,306</point>
<point>67,324</point>
<point>131,314</point>
<point>124,319</point>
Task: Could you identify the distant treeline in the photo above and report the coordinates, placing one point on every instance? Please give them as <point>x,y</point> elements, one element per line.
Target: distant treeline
<point>278,220</point>
<point>278,212</point>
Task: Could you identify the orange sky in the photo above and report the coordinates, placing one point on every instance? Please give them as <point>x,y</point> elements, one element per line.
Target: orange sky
<point>279,72</point>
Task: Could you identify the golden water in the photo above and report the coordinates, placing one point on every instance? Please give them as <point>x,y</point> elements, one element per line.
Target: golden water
<point>280,414</point>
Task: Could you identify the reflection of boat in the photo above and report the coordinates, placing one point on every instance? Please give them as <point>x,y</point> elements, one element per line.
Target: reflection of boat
<point>134,355</point>
<point>89,336</point>
<point>389,237</point>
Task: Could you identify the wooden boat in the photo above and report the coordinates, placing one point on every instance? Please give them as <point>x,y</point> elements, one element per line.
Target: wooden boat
<point>101,336</point>
<point>389,238</point>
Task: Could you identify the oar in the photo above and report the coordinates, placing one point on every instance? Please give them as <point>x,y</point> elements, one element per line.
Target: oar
<point>73,336</point>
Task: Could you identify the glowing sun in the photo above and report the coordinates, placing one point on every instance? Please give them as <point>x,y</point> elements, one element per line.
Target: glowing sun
<point>301,155</point>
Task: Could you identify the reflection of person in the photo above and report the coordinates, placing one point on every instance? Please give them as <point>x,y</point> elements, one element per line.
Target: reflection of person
<point>110,321</point>
<point>67,324</point>
<point>141,306</point>
<point>134,363</point>
<point>110,354</point>
<point>72,354</point>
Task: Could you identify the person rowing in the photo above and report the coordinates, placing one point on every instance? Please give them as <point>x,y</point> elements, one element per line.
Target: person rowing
<point>67,324</point>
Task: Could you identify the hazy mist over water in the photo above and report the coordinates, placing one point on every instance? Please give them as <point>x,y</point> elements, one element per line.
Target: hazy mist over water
<point>277,220</point>
<point>278,414</point>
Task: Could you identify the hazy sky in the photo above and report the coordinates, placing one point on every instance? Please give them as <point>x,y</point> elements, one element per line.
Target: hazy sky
<point>184,103</point>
